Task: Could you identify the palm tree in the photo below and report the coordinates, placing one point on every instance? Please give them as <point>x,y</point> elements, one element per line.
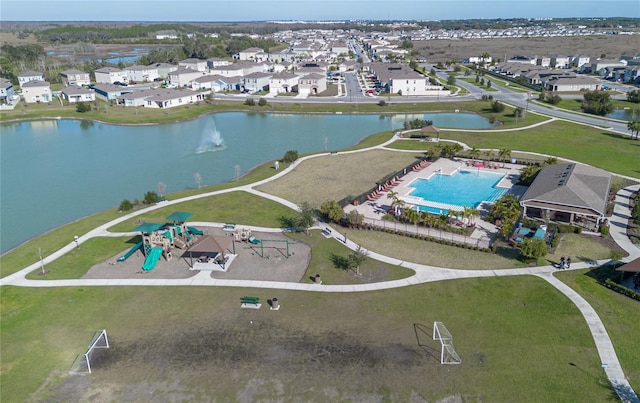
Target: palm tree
<point>550,161</point>
<point>474,153</point>
<point>504,154</point>
<point>634,127</point>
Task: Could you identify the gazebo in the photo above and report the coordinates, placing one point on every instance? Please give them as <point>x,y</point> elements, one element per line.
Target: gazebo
<point>429,131</point>
<point>210,253</point>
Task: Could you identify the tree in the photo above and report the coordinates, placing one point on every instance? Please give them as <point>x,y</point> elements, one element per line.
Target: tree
<point>306,217</point>
<point>488,83</point>
<point>528,174</point>
<point>125,205</point>
<point>250,102</point>
<point>332,210</point>
<point>356,258</point>
<point>634,96</point>
<point>354,218</point>
<point>451,80</point>
<point>597,103</point>
<point>634,127</point>
<point>504,154</point>
<point>150,198</point>
<point>474,153</point>
<point>290,156</point>
<point>533,248</point>
<point>262,102</point>
<point>83,107</point>
<point>497,106</point>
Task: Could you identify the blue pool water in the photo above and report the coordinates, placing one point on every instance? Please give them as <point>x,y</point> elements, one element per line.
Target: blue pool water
<point>462,189</point>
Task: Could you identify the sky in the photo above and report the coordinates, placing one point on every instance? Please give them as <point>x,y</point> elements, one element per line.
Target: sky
<point>308,10</point>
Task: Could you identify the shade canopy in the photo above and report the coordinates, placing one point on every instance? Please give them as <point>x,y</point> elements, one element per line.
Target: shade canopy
<point>148,227</point>
<point>211,244</point>
<point>179,216</point>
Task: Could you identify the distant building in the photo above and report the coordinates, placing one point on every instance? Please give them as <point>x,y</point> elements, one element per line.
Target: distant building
<point>36,91</point>
<point>74,78</point>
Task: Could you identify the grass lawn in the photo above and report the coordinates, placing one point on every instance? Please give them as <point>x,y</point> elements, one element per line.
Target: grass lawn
<point>620,315</point>
<point>236,207</point>
<point>173,350</point>
<point>329,260</point>
<point>340,175</point>
<point>606,150</point>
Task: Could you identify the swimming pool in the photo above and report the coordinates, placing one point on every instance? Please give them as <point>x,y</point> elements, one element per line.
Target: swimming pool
<point>464,188</point>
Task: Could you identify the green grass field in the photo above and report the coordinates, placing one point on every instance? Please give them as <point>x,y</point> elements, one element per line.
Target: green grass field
<point>524,343</point>
<point>519,338</point>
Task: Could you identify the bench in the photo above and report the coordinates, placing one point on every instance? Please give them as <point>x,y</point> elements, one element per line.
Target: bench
<point>229,227</point>
<point>250,300</point>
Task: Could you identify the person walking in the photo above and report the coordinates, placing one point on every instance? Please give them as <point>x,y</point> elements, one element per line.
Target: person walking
<point>562,263</point>
<point>569,262</point>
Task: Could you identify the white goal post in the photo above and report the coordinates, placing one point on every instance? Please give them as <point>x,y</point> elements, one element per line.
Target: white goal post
<point>448,353</point>
<point>82,363</point>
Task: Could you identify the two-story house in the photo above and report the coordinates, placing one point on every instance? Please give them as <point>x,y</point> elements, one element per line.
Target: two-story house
<point>194,64</point>
<point>141,73</point>
<point>283,83</point>
<point>7,92</point>
<point>27,76</point>
<point>256,82</point>
<point>36,91</point>
<point>312,84</point>
<point>74,78</point>
<point>182,77</point>
<point>110,75</point>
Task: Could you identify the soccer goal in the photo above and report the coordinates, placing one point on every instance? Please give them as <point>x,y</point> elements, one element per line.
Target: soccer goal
<point>448,353</point>
<point>82,363</point>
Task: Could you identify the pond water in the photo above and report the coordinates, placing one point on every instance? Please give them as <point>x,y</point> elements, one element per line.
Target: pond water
<point>56,171</point>
<point>625,114</point>
<point>453,120</point>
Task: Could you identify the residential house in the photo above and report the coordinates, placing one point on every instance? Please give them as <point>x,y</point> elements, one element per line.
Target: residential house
<point>182,77</point>
<point>27,76</point>
<point>36,91</point>
<point>74,78</point>
<point>110,75</point>
<point>339,47</point>
<point>78,94</point>
<point>110,92</point>
<point>194,64</point>
<point>544,61</point>
<point>572,193</point>
<point>560,62</point>
<point>217,62</point>
<point>164,69</point>
<point>7,92</point>
<point>632,75</point>
<point>231,70</point>
<point>253,54</point>
<point>209,82</point>
<point>256,82</point>
<point>283,83</point>
<point>523,59</point>
<point>312,84</point>
<point>600,66</point>
<point>169,98</point>
<point>141,73</point>
<point>580,60</point>
<point>571,84</point>
<point>167,34</point>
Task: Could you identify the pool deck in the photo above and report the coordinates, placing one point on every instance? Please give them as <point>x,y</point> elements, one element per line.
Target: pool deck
<point>373,211</point>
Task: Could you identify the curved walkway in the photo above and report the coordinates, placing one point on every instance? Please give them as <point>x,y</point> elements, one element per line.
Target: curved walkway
<point>423,273</point>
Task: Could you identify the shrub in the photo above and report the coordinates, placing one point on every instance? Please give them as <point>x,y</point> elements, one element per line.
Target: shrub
<point>382,103</point>
<point>250,102</point>
<point>125,205</point>
<point>150,198</point>
<point>621,289</point>
<point>262,102</point>
<point>533,248</point>
<point>604,230</point>
<point>497,106</point>
<point>290,156</point>
<point>83,107</point>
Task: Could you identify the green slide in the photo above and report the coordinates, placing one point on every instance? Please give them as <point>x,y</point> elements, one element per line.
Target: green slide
<point>152,259</point>
<point>131,252</point>
<point>195,231</point>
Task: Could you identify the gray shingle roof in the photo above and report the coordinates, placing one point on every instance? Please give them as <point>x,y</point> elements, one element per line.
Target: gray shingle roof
<point>571,185</point>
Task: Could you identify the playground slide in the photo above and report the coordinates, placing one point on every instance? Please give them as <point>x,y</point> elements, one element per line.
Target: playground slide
<point>195,231</point>
<point>130,252</point>
<point>152,259</point>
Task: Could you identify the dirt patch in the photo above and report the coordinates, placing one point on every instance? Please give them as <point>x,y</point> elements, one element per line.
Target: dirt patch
<point>240,360</point>
<point>613,46</point>
<point>253,262</point>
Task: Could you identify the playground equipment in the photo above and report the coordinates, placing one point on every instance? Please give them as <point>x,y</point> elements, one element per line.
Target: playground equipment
<point>159,239</point>
<point>242,234</point>
<point>130,252</point>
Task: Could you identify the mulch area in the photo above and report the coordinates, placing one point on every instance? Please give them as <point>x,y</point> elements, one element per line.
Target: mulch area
<point>248,265</point>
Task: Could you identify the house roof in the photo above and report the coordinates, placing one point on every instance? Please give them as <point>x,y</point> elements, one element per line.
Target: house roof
<point>72,71</point>
<point>571,187</point>
<point>30,73</point>
<point>76,91</point>
<point>36,83</point>
<point>109,70</point>
<point>633,266</point>
<point>430,129</point>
